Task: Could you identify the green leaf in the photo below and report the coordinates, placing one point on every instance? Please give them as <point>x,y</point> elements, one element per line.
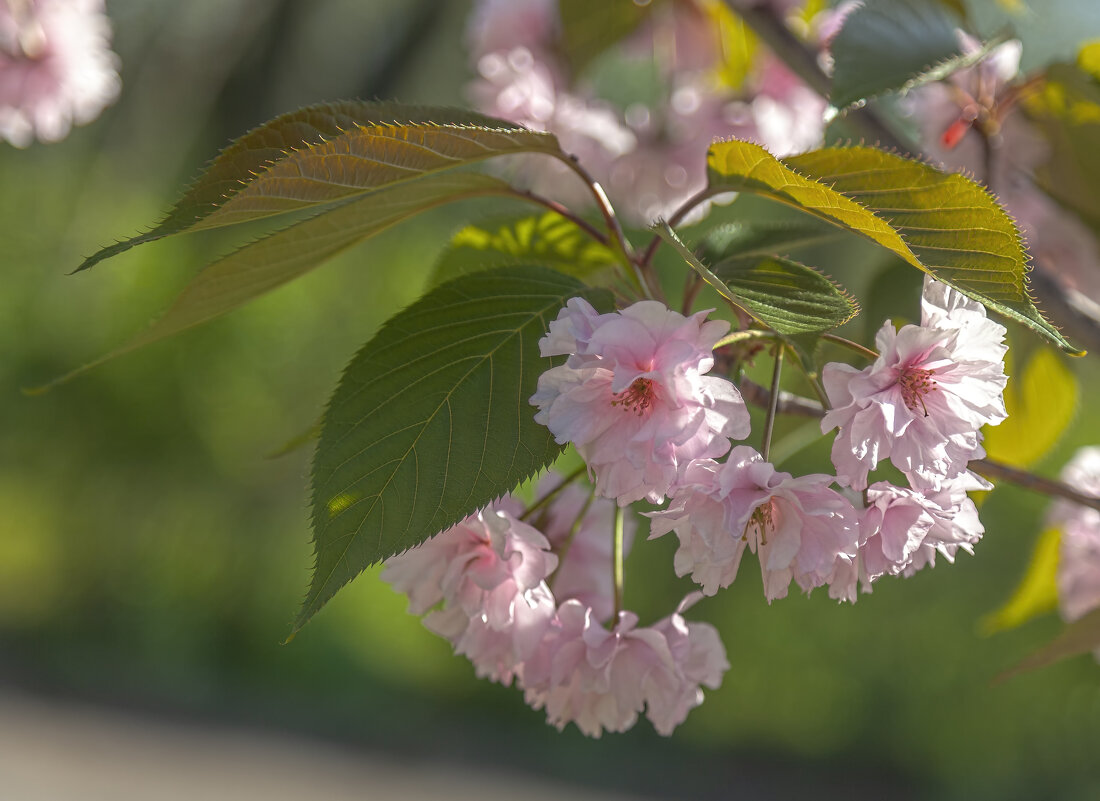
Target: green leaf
<point>890,44</point>
<point>589,29</point>
<point>1078,637</point>
<point>942,224</point>
<point>1041,402</point>
<point>330,152</point>
<point>747,239</point>
<point>431,420</point>
<point>1037,592</point>
<point>786,296</point>
<point>270,262</point>
<point>1050,30</point>
<point>549,239</point>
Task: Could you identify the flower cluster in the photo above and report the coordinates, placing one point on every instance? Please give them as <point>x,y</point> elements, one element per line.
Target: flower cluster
<point>528,596</point>
<point>485,584</point>
<point>56,68</point>
<point>648,153</point>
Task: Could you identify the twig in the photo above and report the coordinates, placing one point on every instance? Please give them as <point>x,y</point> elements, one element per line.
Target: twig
<point>558,208</point>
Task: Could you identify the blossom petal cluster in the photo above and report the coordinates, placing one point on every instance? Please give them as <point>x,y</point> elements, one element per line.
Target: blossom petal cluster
<point>799,528</point>
<point>632,397</point>
<point>923,401</point>
<point>485,585</point>
<point>56,67</point>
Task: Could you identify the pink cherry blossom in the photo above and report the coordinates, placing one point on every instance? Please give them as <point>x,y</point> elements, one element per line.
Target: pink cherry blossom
<point>489,573</point>
<point>798,527</point>
<point>633,399</point>
<point>602,680</point>
<point>56,67</point>
<point>923,401</point>
<point>1079,556</point>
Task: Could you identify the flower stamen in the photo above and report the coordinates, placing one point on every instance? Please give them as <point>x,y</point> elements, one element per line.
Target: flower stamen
<point>638,397</point>
<point>915,384</point>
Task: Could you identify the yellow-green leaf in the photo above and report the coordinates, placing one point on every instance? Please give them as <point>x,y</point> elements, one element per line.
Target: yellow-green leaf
<point>1037,592</point>
<point>945,225</point>
<point>1041,401</point>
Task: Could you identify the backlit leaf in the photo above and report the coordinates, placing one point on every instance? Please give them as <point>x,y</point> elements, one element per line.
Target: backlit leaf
<point>1041,401</point>
<point>1037,592</point>
<point>431,420</point>
<point>942,224</point>
<point>285,255</point>
<point>547,239</point>
<point>329,152</point>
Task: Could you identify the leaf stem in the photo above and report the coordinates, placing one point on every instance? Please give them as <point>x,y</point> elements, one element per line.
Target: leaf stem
<point>741,336</point>
<point>773,405</point>
<point>617,565</point>
<point>545,499</point>
<point>563,550</point>
<point>850,345</point>
<point>675,219</point>
<point>558,208</point>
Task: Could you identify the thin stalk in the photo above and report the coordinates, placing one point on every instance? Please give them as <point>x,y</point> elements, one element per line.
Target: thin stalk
<point>850,345</point>
<point>545,499</point>
<point>553,205</point>
<point>692,284</point>
<point>773,405</point>
<point>563,551</point>
<point>617,564</point>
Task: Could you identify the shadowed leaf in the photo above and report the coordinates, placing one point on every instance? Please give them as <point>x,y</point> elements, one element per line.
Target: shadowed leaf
<point>431,420</point>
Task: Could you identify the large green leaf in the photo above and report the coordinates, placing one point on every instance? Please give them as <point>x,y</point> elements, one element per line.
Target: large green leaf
<point>270,262</point>
<point>331,151</point>
<point>786,296</point>
<point>548,239</point>
<point>943,224</point>
<point>892,44</point>
<point>431,419</point>
<point>1041,401</point>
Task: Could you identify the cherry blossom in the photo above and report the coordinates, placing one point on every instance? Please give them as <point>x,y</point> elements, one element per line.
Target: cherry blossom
<point>602,680</point>
<point>798,527</point>
<point>56,67</point>
<point>923,401</point>
<point>632,397</point>
<point>1079,556</point>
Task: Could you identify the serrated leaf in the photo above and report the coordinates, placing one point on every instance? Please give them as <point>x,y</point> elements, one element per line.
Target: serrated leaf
<point>268,263</point>
<point>786,296</point>
<point>328,152</point>
<point>747,239</point>
<point>888,45</point>
<point>1037,592</point>
<point>1041,401</point>
<point>942,224</point>
<point>1078,637</point>
<point>431,420</point>
<point>547,239</point>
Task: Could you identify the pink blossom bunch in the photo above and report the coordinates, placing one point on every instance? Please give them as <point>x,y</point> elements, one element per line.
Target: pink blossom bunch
<point>1079,557</point>
<point>488,572</point>
<point>923,401</point>
<point>602,680</point>
<point>633,398</point>
<point>799,528</point>
<point>489,577</point>
<point>650,156</point>
<point>56,67</point>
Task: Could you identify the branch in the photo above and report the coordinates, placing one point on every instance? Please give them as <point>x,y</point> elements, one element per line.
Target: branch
<point>804,407</point>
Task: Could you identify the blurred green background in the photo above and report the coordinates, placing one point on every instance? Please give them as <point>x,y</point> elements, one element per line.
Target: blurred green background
<point>152,557</point>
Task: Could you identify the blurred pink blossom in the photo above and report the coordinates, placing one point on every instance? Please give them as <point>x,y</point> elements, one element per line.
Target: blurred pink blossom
<point>1079,557</point>
<point>633,398</point>
<point>798,527</point>
<point>56,67</point>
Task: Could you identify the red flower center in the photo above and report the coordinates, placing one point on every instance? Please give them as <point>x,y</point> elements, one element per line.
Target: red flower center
<point>638,397</point>
<point>915,384</point>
